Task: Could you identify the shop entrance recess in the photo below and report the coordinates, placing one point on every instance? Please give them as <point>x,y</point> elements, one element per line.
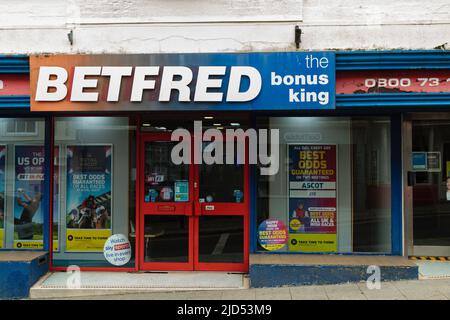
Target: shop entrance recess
<point>426,143</point>
<point>192,216</point>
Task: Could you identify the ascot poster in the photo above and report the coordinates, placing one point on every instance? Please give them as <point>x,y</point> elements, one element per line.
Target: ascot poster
<point>312,203</point>
<point>2,194</point>
<point>28,186</point>
<point>89,189</point>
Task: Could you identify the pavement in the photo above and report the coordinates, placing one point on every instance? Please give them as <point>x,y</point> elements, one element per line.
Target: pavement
<point>436,289</point>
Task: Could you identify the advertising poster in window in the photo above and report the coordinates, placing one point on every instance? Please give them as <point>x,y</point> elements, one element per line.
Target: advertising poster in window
<point>312,203</point>
<point>2,194</point>
<point>272,234</point>
<point>28,189</point>
<point>89,190</point>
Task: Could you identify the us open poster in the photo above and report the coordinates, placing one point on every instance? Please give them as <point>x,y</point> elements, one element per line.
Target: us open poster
<point>28,195</point>
<point>2,194</point>
<point>89,189</point>
<point>312,203</point>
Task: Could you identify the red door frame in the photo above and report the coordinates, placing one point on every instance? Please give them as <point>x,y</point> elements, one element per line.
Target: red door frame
<point>194,209</point>
<point>165,208</point>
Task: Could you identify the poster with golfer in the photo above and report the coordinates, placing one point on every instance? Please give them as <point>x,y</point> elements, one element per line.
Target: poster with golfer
<point>89,191</point>
<point>2,194</point>
<point>28,189</point>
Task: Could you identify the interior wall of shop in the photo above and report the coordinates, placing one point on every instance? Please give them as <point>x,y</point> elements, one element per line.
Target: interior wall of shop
<point>159,26</point>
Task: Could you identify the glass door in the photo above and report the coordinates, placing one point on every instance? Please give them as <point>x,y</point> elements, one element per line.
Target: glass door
<point>429,184</point>
<point>166,206</point>
<point>222,213</point>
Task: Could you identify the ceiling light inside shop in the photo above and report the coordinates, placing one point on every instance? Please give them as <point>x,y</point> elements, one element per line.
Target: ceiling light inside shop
<point>217,124</point>
<point>235,124</point>
<point>208,117</point>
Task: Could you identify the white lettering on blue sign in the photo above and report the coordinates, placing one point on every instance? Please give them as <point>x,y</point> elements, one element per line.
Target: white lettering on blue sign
<point>254,81</point>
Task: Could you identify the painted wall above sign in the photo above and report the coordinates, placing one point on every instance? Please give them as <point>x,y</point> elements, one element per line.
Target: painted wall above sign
<point>241,81</point>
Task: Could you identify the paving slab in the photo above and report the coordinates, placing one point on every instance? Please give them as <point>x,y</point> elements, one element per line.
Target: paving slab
<point>387,291</point>
<point>420,290</point>
<point>202,295</point>
<point>249,294</point>
<point>273,294</point>
<point>308,293</point>
<point>349,291</point>
<point>443,286</point>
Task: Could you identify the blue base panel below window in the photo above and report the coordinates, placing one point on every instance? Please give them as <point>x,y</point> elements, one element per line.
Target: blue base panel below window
<point>17,277</point>
<point>269,275</point>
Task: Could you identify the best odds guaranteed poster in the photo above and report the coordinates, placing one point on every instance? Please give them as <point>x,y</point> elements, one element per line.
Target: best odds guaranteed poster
<point>312,204</point>
<point>2,194</point>
<point>89,189</point>
<point>28,189</point>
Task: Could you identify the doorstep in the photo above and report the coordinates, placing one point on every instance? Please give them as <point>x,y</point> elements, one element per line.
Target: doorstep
<point>93,283</point>
<point>275,270</point>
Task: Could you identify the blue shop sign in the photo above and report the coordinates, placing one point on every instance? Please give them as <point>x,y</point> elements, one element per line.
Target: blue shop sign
<point>234,81</point>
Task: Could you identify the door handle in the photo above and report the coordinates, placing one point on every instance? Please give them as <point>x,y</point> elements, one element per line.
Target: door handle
<point>411,178</point>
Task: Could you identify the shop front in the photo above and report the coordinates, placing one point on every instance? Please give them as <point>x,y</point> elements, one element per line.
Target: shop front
<point>418,87</point>
<point>229,162</point>
<point>118,124</point>
<point>115,175</point>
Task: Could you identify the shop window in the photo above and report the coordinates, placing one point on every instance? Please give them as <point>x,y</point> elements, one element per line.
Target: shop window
<point>95,192</point>
<point>21,127</point>
<point>333,189</point>
<point>22,164</point>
